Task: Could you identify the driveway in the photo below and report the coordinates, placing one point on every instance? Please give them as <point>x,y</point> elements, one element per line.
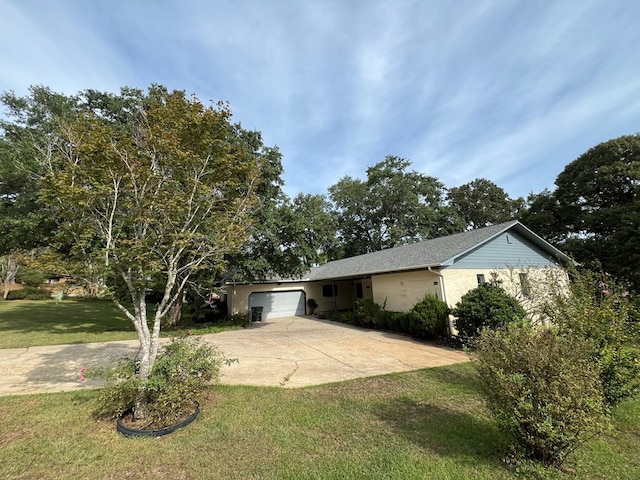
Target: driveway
<point>286,352</point>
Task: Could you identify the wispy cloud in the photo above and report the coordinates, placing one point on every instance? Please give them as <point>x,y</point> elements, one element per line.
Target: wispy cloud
<point>510,91</point>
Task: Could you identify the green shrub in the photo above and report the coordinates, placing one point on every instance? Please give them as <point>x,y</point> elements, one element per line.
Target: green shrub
<point>487,305</point>
<point>596,308</point>
<point>429,318</point>
<point>181,372</point>
<point>366,312</point>
<point>240,319</point>
<point>30,277</point>
<point>542,389</point>
<point>346,317</point>
<point>29,293</point>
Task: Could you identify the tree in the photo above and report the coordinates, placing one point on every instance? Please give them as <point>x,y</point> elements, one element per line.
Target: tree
<point>286,237</point>
<point>542,215</point>
<point>392,207</point>
<point>595,208</point>
<point>151,188</point>
<point>482,203</point>
<point>27,138</point>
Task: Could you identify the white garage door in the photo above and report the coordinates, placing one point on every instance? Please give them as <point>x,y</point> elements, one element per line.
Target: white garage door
<point>278,304</point>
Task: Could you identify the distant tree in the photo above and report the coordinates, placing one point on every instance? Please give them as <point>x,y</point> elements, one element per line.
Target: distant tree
<point>28,137</point>
<point>392,207</point>
<point>482,203</point>
<point>286,237</point>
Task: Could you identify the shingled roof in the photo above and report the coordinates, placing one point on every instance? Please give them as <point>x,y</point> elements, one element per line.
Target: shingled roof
<point>435,253</point>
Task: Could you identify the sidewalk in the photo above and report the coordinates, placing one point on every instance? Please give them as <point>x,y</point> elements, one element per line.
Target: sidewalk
<point>288,352</point>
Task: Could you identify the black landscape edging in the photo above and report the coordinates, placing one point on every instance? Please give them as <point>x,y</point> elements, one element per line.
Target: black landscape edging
<point>158,432</point>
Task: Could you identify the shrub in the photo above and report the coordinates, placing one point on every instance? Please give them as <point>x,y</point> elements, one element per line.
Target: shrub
<point>312,305</point>
<point>30,277</point>
<point>542,389</point>
<point>429,318</point>
<point>366,312</point>
<point>240,319</point>
<point>183,369</point>
<point>29,293</point>
<point>487,305</point>
<point>596,308</point>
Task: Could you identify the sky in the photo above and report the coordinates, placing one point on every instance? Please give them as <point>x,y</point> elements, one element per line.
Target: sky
<point>507,90</point>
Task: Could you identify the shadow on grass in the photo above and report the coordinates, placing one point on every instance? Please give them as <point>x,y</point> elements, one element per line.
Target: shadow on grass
<point>447,432</point>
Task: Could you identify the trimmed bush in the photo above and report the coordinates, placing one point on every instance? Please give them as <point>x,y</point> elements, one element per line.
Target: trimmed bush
<point>486,306</point>
<point>29,293</point>
<point>428,318</point>
<point>543,390</point>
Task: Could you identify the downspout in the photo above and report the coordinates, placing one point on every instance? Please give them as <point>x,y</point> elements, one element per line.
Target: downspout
<point>443,289</point>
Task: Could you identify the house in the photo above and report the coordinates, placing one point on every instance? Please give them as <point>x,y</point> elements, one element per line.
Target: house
<point>399,277</point>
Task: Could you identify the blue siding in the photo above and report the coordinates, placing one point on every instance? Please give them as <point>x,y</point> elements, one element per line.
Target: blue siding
<point>509,249</point>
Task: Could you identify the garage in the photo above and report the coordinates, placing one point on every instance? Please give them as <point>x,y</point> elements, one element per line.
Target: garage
<point>278,304</point>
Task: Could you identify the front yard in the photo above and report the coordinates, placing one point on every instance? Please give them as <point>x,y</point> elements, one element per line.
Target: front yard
<point>424,424</point>
<point>27,323</point>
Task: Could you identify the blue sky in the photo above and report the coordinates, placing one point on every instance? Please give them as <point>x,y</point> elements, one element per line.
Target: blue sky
<point>506,90</point>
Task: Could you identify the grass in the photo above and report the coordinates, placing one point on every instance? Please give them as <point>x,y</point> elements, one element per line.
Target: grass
<point>424,424</point>
<point>26,323</point>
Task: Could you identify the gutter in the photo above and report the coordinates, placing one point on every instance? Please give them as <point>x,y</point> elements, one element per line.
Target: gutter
<point>446,299</point>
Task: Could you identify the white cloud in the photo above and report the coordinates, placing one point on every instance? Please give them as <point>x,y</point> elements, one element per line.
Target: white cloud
<point>511,91</point>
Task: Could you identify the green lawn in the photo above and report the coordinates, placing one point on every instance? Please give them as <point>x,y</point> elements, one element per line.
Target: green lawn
<point>25,323</point>
<point>418,425</point>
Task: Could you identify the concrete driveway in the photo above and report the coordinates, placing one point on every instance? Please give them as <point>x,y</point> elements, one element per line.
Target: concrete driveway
<point>286,352</point>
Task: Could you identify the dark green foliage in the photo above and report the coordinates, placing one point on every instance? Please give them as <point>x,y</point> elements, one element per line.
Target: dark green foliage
<point>595,208</point>
<point>429,318</point>
<point>29,293</point>
<point>543,390</point>
<point>185,367</point>
<point>392,207</point>
<point>482,203</point>
<point>30,277</point>
<point>312,305</point>
<point>366,312</point>
<point>487,305</point>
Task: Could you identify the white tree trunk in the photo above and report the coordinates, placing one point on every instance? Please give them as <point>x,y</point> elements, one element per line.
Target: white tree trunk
<point>8,272</point>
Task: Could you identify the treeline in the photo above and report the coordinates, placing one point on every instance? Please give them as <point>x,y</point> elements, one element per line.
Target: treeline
<point>592,213</point>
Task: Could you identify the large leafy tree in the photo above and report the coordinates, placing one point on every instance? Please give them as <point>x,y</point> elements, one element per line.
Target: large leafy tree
<point>594,212</point>
<point>482,203</point>
<point>542,215</point>
<point>599,198</point>
<point>27,138</point>
<point>393,206</point>
<point>149,188</point>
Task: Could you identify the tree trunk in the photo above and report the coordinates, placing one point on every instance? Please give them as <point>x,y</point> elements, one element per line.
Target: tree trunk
<point>175,312</point>
<point>8,271</point>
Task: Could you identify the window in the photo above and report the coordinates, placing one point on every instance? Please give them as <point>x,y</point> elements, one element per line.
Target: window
<point>480,278</point>
<point>330,290</point>
<point>525,286</point>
